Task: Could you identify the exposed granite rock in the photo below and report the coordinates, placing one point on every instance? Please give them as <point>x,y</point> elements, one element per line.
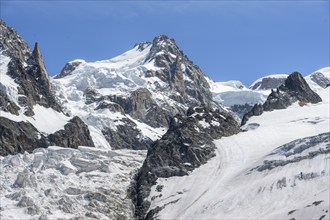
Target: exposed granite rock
<point>7,105</point>
<point>75,134</point>
<point>175,64</point>
<point>17,137</point>
<point>256,110</point>
<point>141,105</point>
<point>126,136</point>
<point>241,110</point>
<point>298,87</point>
<point>295,89</point>
<point>187,144</point>
<point>68,69</point>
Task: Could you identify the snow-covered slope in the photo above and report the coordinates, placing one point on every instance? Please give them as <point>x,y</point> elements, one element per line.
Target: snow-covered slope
<point>266,83</point>
<point>234,96</point>
<point>63,183</point>
<point>294,183</point>
<point>319,79</point>
<point>232,93</point>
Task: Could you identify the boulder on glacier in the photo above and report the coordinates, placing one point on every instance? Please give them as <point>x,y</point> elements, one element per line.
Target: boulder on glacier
<point>75,133</point>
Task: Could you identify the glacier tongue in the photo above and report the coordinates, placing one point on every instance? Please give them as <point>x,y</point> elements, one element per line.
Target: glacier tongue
<point>57,182</point>
<point>238,183</point>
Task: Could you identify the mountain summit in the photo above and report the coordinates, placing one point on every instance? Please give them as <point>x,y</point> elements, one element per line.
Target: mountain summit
<point>150,83</point>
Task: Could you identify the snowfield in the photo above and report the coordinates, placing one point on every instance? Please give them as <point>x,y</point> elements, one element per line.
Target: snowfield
<point>64,183</point>
<point>235,93</point>
<point>230,186</point>
<point>46,120</point>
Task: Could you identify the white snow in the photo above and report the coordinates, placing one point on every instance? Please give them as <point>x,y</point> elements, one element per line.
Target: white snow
<point>225,188</point>
<point>46,120</point>
<point>274,76</point>
<point>64,183</point>
<point>325,71</point>
<point>7,84</point>
<point>204,124</point>
<point>235,93</point>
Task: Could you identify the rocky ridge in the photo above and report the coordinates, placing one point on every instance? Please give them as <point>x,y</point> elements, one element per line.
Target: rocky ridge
<point>24,84</point>
<point>27,68</point>
<point>187,144</point>
<point>295,89</point>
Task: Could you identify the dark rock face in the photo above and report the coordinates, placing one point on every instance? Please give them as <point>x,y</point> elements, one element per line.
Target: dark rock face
<point>295,89</point>
<point>176,65</point>
<point>126,136</point>
<point>296,84</point>
<point>75,134</point>
<point>139,105</point>
<point>320,79</point>
<point>28,70</point>
<point>17,137</point>
<point>68,69</point>
<point>241,110</point>
<point>7,105</point>
<point>186,145</point>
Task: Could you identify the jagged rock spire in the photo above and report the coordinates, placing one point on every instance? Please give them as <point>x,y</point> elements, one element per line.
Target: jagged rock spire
<point>39,60</point>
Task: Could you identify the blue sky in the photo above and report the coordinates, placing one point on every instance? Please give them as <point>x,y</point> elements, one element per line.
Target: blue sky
<point>241,40</point>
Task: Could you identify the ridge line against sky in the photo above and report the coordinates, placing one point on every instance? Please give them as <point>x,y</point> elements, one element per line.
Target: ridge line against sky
<point>229,40</point>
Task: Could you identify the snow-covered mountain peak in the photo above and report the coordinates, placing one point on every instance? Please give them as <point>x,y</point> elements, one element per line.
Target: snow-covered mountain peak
<point>163,40</point>
<point>148,84</point>
<point>164,47</point>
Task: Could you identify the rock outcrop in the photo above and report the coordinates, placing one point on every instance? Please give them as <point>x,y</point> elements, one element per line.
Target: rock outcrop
<point>187,144</point>
<point>75,134</point>
<point>179,72</point>
<point>68,69</point>
<point>295,89</point>
<point>18,137</point>
<point>320,79</point>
